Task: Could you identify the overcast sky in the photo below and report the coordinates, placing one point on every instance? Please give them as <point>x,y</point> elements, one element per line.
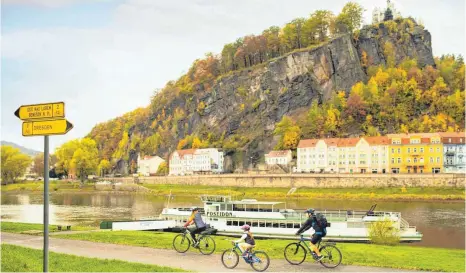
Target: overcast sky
<point>105,58</point>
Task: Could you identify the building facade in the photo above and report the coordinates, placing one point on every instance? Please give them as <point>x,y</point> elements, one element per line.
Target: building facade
<point>454,152</point>
<point>415,153</point>
<point>278,157</point>
<point>191,161</point>
<point>377,154</point>
<point>149,165</point>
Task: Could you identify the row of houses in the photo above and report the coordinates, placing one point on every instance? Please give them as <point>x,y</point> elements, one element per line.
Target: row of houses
<point>394,153</point>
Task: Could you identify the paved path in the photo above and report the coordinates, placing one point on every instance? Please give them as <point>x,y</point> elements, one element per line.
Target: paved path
<point>189,261</point>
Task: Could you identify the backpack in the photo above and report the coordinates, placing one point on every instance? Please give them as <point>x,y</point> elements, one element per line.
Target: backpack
<point>322,223</point>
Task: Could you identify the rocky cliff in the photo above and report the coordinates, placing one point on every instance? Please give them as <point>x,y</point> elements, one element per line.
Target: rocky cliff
<point>248,103</point>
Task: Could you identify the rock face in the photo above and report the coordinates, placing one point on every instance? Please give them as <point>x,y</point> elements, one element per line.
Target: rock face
<point>412,43</point>
<point>250,102</point>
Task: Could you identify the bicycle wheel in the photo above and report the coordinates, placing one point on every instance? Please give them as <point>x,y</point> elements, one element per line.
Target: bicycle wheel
<point>295,253</point>
<point>230,258</point>
<point>331,256</point>
<point>260,261</point>
<point>181,243</point>
<point>206,245</point>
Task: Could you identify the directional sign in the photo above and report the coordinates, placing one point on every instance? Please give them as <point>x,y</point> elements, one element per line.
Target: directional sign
<point>41,111</point>
<point>46,127</point>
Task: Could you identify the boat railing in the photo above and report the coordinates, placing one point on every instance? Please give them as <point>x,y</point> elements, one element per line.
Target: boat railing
<point>346,214</point>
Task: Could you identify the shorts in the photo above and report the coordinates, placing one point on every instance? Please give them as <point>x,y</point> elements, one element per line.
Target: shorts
<point>316,238</point>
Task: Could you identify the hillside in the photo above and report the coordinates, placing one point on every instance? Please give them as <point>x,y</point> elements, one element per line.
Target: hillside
<point>377,80</point>
<point>29,152</point>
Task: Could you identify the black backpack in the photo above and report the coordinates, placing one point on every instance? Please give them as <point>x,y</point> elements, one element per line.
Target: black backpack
<point>322,223</point>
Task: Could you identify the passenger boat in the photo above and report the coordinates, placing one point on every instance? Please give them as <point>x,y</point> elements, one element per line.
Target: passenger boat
<point>271,220</point>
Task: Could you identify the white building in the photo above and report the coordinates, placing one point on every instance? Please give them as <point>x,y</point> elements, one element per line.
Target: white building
<point>378,14</point>
<point>378,158</point>
<point>454,152</point>
<point>190,161</point>
<point>278,157</point>
<point>332,154</point>
<point>149,165</point>
<point>312,155</point>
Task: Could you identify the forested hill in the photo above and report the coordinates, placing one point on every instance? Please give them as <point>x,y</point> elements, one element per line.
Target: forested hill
<point>321,76</point>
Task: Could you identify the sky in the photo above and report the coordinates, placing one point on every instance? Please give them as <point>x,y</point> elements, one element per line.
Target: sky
<point>104,58</point>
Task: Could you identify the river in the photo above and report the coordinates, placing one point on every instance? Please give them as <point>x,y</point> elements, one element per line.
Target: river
<point>442,223</point>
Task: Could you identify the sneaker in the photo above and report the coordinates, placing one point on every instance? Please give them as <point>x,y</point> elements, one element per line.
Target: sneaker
<point>318,258</point>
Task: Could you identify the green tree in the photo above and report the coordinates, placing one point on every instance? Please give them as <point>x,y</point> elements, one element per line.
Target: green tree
<point>351,16</point>
<point>14,164</point>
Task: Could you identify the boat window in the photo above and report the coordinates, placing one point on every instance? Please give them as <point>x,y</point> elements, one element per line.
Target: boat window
<point>289,225</point>
<point>275,225</point>
<point>254,224</point>
<point>230,207</point>
<point>283,225</point>
<point>261,224</point>
<point>297,225</point>
<point>235,223</point>
<point>268,224</point>
<point>215,219</point>
<point>222,206</point>
<point>229,222</point>
<point>241,223</point>
<point>248,223</point>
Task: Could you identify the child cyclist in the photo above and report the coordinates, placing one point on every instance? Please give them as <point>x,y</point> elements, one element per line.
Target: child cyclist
<point>248,238</point>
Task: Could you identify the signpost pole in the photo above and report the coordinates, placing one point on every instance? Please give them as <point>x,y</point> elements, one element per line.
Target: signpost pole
<point>46,204</point>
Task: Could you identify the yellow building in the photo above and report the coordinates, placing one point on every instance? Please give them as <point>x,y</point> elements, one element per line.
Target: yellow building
<point>415,153</point>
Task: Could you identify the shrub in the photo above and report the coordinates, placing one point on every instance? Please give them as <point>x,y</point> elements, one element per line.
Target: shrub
<point>384,233</point>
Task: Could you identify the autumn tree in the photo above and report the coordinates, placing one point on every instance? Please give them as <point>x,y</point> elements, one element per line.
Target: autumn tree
<point>163,168</point>
<point>104,167</point>
<point>13,164</point>
<point>351,16</point>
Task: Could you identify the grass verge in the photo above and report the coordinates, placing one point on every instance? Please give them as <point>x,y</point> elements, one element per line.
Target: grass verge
<point>400,256</point>
<point>22,259</point>
<point>38,186</point>
<point>425,194</point>
<point>27,228</point>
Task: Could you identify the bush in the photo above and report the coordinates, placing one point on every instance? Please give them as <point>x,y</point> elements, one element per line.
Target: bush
<point>384,233</point>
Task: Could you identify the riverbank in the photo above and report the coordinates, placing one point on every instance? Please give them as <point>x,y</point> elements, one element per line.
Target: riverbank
<point>356,193</point>
<point>37,229</point>
<point>22,259</point>
<point>400,257</point>
<point>387,193</point>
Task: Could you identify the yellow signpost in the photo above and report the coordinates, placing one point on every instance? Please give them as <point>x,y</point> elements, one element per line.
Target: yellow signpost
<point>46,127</point>
<point>43,120</point>
<point>41,111</point>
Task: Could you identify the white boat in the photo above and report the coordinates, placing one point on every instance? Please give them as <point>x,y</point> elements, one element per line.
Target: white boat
<point>268,220</point>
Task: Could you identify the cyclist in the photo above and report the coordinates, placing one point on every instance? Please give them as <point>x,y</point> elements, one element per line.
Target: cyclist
<point>198,222</point>
<point>318,234</point>
<point>248,238</point>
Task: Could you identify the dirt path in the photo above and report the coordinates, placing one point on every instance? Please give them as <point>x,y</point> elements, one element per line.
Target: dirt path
<point>189,261</point>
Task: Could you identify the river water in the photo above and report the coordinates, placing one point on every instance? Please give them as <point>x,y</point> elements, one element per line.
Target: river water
<point>442,223</point>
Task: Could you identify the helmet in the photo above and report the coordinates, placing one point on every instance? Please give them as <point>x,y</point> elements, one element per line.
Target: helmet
<point>246,227</point>
<point>311,211</point>
<point>195,209</point>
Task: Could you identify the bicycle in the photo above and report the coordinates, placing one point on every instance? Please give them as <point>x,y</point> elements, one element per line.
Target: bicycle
<point>258,260</point>
<point>295,253</point>
<point>182,242</point>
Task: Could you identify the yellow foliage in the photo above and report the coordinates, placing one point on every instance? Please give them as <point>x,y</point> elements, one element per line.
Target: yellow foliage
<point>403,189</point>
<point>290,139</point>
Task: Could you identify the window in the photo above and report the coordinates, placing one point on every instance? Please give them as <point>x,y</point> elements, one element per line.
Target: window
<point>415,150</point>
<point>435,170</point>
<point>399,160</point>
<point>438,159</point>
<point>415,160</point>
<point>409,160</point>
<point>393,151</point>
<point>399,150</point>
<point>438,149</point>
<point>431,160</point>
<point>421,150</point>
<point>409,150</point>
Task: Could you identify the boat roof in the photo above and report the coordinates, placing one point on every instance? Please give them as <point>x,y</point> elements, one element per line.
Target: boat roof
<point>253,202</point>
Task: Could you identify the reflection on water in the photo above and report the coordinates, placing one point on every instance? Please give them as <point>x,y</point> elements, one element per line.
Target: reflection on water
<point>442,223</point>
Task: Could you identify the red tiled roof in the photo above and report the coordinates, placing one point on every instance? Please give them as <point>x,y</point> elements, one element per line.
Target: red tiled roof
<point>348,142</point>
<point>455,137</point>
<point>283,153</point>
<point>377,140</point>
<point>331,141</point>
<point>307,143</point>
<point>182,153</point>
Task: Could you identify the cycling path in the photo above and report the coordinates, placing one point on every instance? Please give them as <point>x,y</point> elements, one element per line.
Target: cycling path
<point>189,261</point>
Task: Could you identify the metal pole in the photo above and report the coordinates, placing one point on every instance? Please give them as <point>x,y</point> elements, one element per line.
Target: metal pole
<point>46,204</point>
